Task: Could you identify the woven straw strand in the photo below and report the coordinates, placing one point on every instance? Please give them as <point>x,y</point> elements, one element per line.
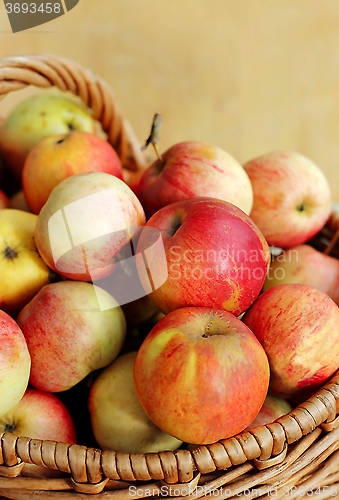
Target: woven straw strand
<point>88,465</point>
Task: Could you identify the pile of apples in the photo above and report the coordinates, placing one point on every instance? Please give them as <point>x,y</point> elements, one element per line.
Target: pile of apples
<point>178,255</point>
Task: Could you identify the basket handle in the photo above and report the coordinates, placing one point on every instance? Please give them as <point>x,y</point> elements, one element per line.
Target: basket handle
<point>48,70</point>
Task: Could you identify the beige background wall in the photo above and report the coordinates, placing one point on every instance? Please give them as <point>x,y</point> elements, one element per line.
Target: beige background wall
<point>248,76</point>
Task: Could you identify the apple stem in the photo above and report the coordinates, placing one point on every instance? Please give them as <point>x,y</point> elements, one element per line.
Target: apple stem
<point>331,244</point>
<point>155,146</point>
<point>153,138</point>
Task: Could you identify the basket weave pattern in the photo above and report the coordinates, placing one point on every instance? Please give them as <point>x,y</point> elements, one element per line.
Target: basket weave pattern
<point>296,453</point>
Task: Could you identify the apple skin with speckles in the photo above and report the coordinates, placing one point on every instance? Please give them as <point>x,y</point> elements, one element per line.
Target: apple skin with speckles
<point>291,197</point>
<point>215,256</point>
<point>71,328</point>
<point>190,169</point>
<point>15,363</point>
<point>201,365</point>
<point>298,326</point>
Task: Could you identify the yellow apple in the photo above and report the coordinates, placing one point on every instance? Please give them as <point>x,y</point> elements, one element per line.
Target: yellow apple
<point>23,272</point>
<point>291,197</point>
<point>118,421</point>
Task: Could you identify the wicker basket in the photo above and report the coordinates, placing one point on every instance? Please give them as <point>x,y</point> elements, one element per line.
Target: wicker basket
<point>296,455</point>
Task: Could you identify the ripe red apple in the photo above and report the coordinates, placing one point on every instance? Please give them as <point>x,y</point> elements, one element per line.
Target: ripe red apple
<point>273,408</point>
<point>4,200</point>
<point>118,421</point>
<point>69,333</point>
<point>201,375</point>
<point>38,117</point>
<point>85,223</point>
<point>292,199</point>
<point>40,415</point>
<point>190,169</point>
<point>15,363</point>
<point>298,326</point>
<point>215,257</point>
<point>304,264</point>
<point>57,157</point>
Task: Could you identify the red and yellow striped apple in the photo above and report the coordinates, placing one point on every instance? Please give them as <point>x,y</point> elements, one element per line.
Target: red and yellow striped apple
<point>298,326</point>
<point>71,328</point>
<point>304,264</point>
<point>291,197</point>
<point>190,169</point>
<point>215,256</point>
<point>201,375</point>
<point>57,157</point>
<point>15,363</point>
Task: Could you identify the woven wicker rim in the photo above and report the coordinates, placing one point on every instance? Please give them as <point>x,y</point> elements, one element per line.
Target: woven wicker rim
<point>266,446</point>
<point>47,70</point>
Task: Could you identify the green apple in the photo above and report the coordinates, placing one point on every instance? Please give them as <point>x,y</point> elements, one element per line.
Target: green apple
<point>118,421</point>
<point>36,118</point>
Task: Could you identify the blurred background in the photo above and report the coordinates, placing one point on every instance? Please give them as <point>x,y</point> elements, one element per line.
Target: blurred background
<point>249,77</point>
